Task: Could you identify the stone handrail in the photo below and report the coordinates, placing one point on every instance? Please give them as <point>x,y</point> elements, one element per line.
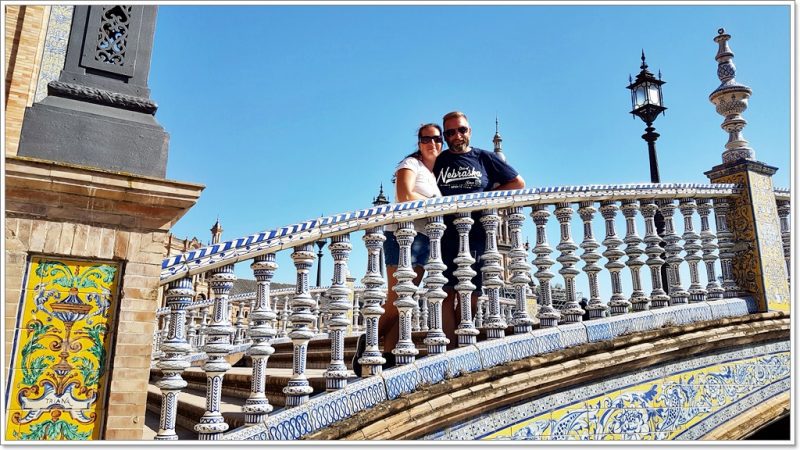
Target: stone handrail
<point>271,241</point>
<point>671,300</point>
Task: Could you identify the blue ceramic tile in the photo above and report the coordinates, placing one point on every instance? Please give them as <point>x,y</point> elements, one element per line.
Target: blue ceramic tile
<point>366,393</point>
<point>400,380</point>
<point>521,346</point>
<point>329,407</point>
<point>548,340</point>
<point>493,353</point>
<point>598,330</point>
<point>573,334</point>
<point>463,360</point>
<point>432,369</point>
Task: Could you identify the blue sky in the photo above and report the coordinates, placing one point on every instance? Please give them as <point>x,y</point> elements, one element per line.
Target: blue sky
<point>287,113</point>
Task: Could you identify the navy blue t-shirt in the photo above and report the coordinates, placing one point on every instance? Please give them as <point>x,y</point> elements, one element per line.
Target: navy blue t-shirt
<point>475,171</point>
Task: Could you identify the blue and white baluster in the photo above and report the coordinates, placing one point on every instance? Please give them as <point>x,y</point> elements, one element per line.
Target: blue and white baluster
<point>424,317</point>
<point>191,328</point>
<point>405,351</point>
<point>548,316</point>
<point>257,406</point>
<point>372,360</point>
<point>285,313</point>
<point>725,241</point>
<point>164,331</point>
<point>320,311</point>
<point>239,336</point>
<point>618,304</point>
<point>639,301</point>
<point>784,211</point>
<point>466,331</point>
<point>480,307</point>
<point>677,295</point>
<point>173,359</point>
<point>590,256</point>
<point>658,297</point>
<point>435,339</point>
<point>415,312</point>
<point>572,311</point>
<point>692,248</point>
<point>492,270</point>
<point>707,238</point>
<point>298,389</point>
<point>356,313</point>
<point>339,307</point>
<point>218,345</point>
<point>520,271</point>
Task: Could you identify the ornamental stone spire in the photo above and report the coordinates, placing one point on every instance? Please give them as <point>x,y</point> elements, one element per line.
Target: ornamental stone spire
<point>498,141</point>
<point>730,99</point>
<point>380,199</point>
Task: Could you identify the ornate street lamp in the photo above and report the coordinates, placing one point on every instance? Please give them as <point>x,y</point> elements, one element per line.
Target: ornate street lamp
<point>647,104</point>
<point>320,243</point>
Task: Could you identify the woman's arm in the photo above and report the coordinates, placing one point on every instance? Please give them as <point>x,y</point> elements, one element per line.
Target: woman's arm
<point>404,186</point>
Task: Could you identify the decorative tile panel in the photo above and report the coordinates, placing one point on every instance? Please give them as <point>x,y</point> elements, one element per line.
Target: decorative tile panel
<point>57,385</point>
<point>329,407</point>
<point>680,400</point>
<point>598,330</point>
<point>548,340</point>
<point>521,346</point>
<point>432,369</point>
<point>401,380</point>
<point>573,334</point>
<point>366,393</point>
<point>463,360</point>
<point>493,353</point>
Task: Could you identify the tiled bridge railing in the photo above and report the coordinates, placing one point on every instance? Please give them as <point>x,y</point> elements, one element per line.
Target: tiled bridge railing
<point>643,307</point>
<point>197,318</point>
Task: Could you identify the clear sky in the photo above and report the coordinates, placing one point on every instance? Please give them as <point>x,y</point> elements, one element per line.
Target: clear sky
<point>286,113</point>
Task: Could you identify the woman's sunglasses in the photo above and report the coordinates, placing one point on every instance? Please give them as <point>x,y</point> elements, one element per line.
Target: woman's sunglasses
<point>428,139</point>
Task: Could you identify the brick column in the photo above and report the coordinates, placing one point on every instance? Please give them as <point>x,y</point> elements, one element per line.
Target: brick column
<point>61,211</point>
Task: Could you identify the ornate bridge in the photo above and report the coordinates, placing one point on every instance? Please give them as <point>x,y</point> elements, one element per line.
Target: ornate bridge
<point>685,332</point>
<point>699,357</point>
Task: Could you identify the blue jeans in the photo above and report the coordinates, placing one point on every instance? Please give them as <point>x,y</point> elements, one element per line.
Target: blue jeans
<point>420,249</point>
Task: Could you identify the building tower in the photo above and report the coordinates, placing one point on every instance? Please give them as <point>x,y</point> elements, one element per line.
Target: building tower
<point>216,232</point>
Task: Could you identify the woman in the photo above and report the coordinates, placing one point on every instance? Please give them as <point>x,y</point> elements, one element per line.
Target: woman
<point>413,180</point>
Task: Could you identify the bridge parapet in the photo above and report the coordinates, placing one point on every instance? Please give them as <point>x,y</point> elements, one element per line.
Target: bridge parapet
<point>749,245</point>
<point>667,302</point>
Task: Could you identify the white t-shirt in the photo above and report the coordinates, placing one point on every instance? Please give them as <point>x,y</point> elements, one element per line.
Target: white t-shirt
<point>425,184</point>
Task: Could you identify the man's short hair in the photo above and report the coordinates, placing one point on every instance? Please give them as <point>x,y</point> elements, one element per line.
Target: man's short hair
<point>454,115</point>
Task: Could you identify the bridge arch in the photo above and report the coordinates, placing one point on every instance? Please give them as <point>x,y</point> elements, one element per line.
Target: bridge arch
<point>719,379</point>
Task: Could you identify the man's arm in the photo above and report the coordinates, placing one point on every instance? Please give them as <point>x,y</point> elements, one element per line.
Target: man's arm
<point>515,183</point>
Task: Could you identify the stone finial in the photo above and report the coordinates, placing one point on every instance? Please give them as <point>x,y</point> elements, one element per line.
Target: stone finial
<point>730,99</point>
<point>498,141</point>
<point>380,199</point>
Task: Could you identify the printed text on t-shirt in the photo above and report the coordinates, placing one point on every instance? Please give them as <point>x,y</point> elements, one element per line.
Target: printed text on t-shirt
<point>449,175</point>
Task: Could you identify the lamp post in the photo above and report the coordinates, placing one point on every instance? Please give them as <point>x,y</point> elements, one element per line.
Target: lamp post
<point>647,104</point>
<point>320,243</point>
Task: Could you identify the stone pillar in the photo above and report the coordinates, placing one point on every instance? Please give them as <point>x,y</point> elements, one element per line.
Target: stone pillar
<point>64,212</point>
<point>101,104</point>
<point>759,268</point>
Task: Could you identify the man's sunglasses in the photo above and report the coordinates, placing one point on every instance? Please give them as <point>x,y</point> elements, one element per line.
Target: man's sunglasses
<point>452,131</point>
<point>428,139</point>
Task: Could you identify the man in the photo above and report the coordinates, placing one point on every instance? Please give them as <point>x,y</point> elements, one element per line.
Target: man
<point>462,169</point>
